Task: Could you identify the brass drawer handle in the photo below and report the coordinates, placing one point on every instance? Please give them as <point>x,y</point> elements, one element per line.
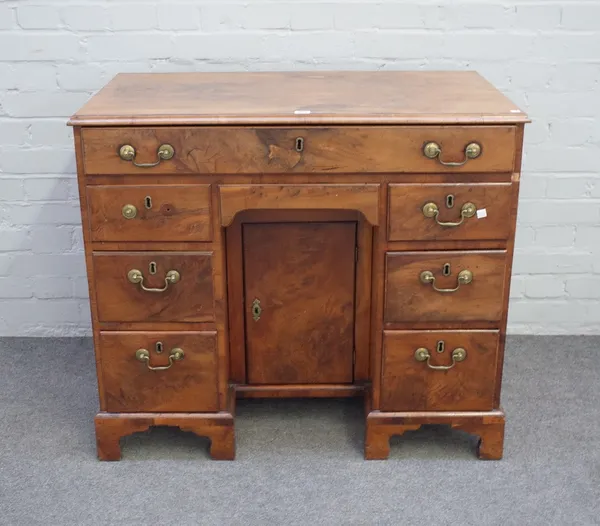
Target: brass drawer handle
<point>165,152</point>
<point>464,278</point>
<point>432,210</point>
<point>135,276</point>
<point>458,355</point>
<point>175,355</point>
<point>432,150</point>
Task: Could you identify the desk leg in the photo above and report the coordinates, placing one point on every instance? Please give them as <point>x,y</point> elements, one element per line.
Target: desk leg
<point>111,427</point>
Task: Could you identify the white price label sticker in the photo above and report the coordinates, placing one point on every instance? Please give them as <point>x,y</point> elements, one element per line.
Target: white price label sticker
<point>481,213</point>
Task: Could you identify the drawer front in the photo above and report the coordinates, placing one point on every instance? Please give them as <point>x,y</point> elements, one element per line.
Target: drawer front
<point>181,286</point>
<point>149,213</point>
<point>449,211</point>
<point>189,384</point>
<point>439,370</point>
<point>411,295</point>
<point>361,197</point>
<point>343,149</point>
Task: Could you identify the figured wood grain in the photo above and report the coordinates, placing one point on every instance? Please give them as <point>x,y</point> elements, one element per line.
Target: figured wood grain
<point>303,275</point>
<point>191,299</point>
<point>488,425</point>
<point>221,308</point>
<point>507,278</point>
<point>299,98</point>
<point>407,222</point>
<point>363,295</point>
<point>378,285</point>
<point>409,385</point>
<point>235,281</point>
<point>236,166</point>
<point>218,427</point>
<point>236,198</point>
<point>177,213</point>
<point>209,326</point>
<point>236,302</point>
<point>415,245</point>
<point>87,246</point>
<point>189,385</point>
<point>407,299</point>
<point>300,391</point>
<point>273,150</point>
<point>299,178</point>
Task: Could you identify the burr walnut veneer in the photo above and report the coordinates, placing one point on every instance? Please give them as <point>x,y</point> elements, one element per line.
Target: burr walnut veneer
<point>299,235</point>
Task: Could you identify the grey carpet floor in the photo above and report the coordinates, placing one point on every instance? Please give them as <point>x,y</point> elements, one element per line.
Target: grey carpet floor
<point>300,462</point>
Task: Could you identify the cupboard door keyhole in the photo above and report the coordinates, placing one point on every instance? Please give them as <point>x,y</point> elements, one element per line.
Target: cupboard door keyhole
<point>256,310</point>
<point>148,202</point>
<point>299,144</point>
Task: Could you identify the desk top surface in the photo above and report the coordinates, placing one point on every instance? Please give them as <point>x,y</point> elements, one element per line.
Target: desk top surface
<point>298,98</point>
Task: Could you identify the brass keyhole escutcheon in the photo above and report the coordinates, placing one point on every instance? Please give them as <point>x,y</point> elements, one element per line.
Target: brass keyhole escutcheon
<point>299,144</point>
<point>256,309</point>
<point>152,267</point>
<point>446,269</point>
<point>440,346</point>
<point>449,201</point>
<point>148,202</point>
<point>158,347</point>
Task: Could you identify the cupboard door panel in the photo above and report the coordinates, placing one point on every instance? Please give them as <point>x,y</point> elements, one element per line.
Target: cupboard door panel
<point>299,302</point>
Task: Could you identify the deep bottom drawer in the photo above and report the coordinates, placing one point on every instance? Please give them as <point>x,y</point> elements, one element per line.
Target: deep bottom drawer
<point>423,370</point>
<point>176,373</point>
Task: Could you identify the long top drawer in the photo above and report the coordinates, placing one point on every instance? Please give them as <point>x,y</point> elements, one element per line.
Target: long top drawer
<point>340,149</point>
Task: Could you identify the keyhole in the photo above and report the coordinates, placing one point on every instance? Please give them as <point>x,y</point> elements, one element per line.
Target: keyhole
<point>449,201</point>
<point>299,144</point>
<point>440,346</point>
<point>256,310</point>
<point>158,347</point>
<point>148,202</point>
<point>152,267</point>
<point>446,271</point>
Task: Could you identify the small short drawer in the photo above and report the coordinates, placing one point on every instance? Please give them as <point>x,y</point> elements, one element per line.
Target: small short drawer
<point>449,211</point>
<point>452,286</point>
<point>439,370</point>
<point>265,149</point>
<point>159,371</point>
<point>154,286</point>
<point>149,213</point>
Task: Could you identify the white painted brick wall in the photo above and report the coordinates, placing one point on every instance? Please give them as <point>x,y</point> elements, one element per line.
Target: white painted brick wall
<point>545,55</point>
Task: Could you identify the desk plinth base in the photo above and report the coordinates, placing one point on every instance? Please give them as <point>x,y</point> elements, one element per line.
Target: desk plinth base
<point>488,425</point>
<point>218,427</point>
